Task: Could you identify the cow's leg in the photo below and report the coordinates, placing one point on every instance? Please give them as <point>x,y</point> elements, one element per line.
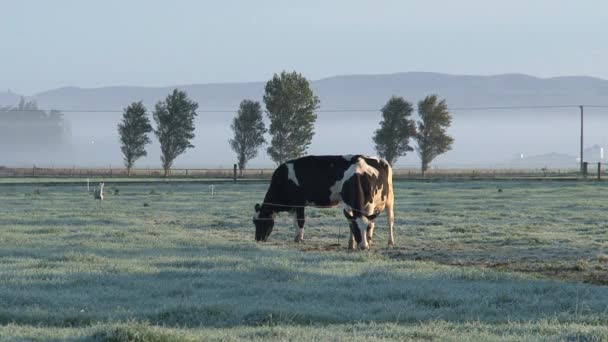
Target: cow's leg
<point>370,232</point>
<point>352,226</point>
<point>391,219</point>
<point>299,223</point>
<point>351,242</point>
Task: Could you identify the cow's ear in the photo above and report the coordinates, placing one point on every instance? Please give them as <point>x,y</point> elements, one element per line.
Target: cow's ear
<point>257,207</point>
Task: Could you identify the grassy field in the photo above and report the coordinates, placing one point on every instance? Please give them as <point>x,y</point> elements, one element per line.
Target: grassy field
<point>482,260</point>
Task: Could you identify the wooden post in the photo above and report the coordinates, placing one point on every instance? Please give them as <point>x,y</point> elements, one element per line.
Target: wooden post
<point>599,171</point>
<point>585,169</point>
<point>234,173</point>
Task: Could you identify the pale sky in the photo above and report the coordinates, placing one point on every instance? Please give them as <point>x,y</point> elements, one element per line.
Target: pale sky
<point>50,44</point>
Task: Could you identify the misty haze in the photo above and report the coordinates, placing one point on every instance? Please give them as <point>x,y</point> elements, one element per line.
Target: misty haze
<point>484,138</point>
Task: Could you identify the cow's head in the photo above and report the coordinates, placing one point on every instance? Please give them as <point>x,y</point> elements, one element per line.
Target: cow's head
<point>264,222</point>
<point>359,227</point>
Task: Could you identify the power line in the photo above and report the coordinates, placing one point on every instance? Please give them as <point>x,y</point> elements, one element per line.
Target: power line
<point>350,110</point>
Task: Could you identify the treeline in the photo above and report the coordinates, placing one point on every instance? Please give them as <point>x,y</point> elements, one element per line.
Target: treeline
<point>290,106</point>
<point>26,125</point>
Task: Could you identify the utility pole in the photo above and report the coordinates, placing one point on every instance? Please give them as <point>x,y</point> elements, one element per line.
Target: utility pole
<point>582,170</point>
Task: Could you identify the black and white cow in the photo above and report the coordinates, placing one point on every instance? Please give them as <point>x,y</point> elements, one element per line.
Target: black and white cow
<point>364,186</point>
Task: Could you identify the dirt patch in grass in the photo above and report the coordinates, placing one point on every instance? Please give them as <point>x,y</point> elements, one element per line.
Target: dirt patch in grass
<point>592,271</point>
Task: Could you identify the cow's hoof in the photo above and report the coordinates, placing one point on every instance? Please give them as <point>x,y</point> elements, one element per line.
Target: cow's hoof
<point>351,245</point>
<point>391,244</point>
<point>298,239</point>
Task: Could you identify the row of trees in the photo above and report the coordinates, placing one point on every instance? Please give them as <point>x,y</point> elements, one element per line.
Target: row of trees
<point>290,106</point>
<point>174,119</point>
<point>397,127</point>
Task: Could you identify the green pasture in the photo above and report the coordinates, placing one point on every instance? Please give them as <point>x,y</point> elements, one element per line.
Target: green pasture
<point>475,260</point>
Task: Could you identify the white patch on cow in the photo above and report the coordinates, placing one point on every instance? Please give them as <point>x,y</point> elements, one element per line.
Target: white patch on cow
<point>291,174</point>
<point>335,190</point>
<point>359,167</point>
<point>377,204</point>
<point>362,223</point>
<point>363,167</point>
<point>347,209</point>
<point>256,215</point>
<point>347,156</point>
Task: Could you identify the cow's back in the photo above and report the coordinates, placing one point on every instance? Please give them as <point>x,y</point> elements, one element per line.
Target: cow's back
<point>317,175</point>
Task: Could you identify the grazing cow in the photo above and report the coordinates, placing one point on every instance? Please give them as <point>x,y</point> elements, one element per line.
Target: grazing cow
<point>363,184</point>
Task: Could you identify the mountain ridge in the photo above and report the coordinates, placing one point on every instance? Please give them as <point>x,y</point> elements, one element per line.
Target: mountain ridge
<point>353,91</point>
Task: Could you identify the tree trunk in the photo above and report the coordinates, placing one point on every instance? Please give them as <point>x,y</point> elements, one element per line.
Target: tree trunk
<point>128,171</point>
<point>166,172</point>
<point>424,167</point>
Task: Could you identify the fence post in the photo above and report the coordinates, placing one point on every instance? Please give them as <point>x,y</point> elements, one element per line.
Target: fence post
<point>234,173</point>
<point>585,169</point>
<point>599,171</point>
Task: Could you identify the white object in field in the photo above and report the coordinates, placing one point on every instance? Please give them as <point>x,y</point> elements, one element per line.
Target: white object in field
<point>212,189</point>
<point>98,192</point>
<point>601,153</point>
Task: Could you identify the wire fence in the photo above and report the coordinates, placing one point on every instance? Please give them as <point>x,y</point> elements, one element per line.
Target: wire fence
<point>569,171</point>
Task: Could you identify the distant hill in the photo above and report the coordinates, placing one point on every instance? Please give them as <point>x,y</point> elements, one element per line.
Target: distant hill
<point>352,92</point>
